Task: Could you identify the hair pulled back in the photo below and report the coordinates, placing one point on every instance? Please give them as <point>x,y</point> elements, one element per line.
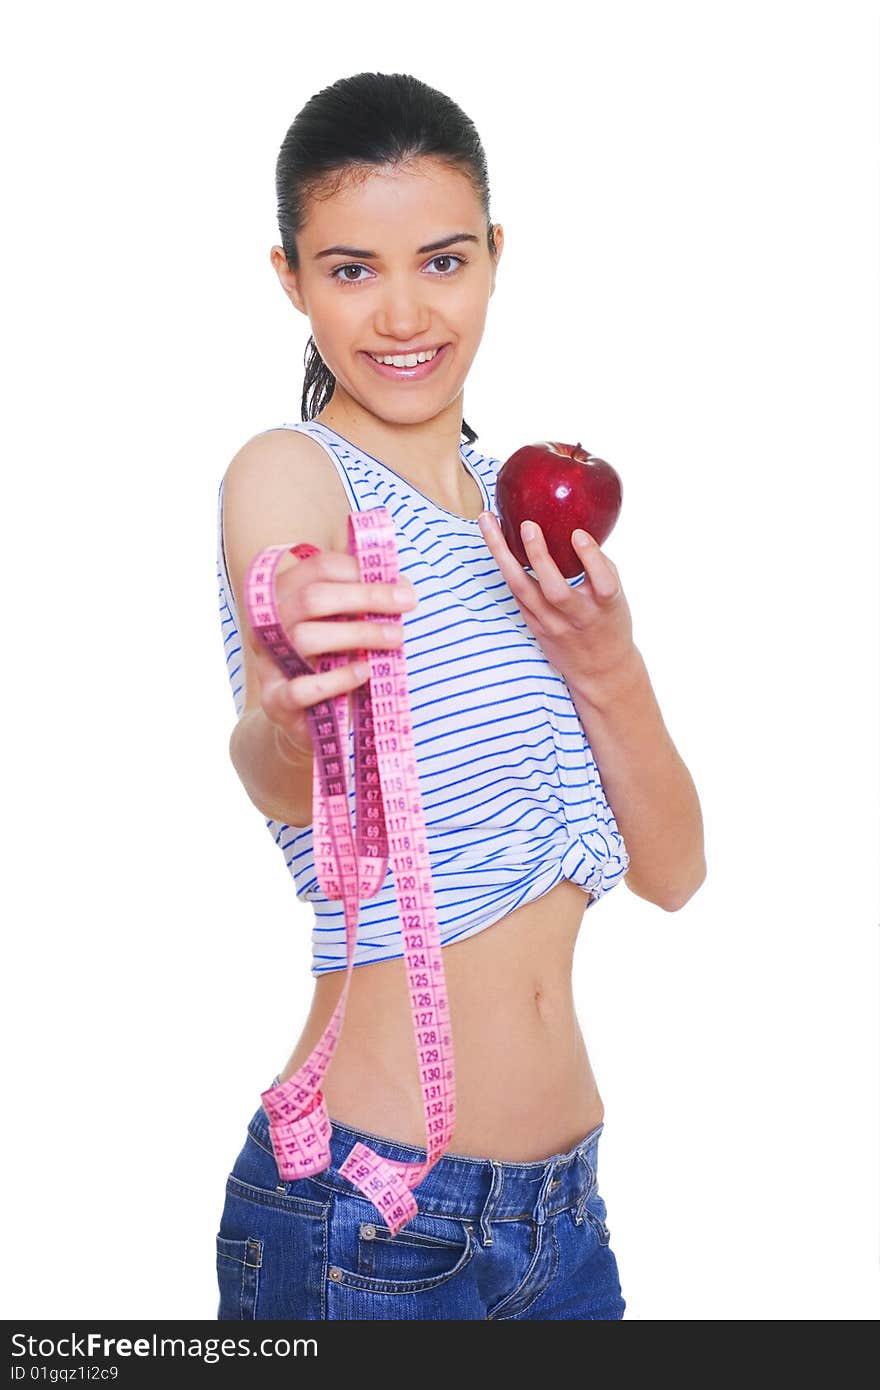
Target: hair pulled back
<point>368,119</point>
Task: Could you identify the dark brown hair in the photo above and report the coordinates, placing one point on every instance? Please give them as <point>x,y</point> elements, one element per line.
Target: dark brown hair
<point>371,118</point>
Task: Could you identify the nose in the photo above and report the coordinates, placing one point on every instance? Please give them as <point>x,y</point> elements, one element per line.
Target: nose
<point>403,314</point>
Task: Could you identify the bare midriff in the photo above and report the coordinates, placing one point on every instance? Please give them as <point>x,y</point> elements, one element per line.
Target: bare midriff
<point>525,1089</point>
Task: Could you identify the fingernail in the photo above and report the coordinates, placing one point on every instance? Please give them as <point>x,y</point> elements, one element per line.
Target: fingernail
<point>528,531</point>
<point>579,537</point>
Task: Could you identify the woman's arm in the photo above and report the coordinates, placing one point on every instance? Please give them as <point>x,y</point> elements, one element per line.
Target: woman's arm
<point>648,787</point>
<point>586,633</point>
<point>280,488</point>
<point>276,776</point>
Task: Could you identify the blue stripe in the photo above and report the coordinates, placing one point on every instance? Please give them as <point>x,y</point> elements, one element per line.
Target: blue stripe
<point>511,794</point>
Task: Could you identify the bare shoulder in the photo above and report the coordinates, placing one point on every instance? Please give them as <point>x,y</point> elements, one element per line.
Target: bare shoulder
<point>287,476</point>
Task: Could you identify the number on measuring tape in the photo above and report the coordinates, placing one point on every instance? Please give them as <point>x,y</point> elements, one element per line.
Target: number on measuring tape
<point>352,865</point>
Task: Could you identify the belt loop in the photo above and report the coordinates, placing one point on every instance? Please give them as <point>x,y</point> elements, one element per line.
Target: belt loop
<point>540,1214</point>
<point>589,1184</point>
<point>491,1202</point>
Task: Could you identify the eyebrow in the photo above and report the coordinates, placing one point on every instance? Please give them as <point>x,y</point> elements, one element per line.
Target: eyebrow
<point>374,255</point>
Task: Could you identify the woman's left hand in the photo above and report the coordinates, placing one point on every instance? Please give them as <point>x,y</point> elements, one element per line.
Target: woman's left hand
<point>585,632</point>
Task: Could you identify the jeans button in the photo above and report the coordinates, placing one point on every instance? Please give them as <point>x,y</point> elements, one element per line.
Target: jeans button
<point>368,1230</point>
<point>335,1273</point>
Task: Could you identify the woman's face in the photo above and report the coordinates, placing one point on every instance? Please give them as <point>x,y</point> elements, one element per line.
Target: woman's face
<point>401,297</point>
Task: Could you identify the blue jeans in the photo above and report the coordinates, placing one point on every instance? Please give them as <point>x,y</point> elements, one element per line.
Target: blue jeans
<point>491,1239</point>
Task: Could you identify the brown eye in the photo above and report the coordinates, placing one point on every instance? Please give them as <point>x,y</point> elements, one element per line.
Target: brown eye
<point>335,275</point>
<point>447,256</point>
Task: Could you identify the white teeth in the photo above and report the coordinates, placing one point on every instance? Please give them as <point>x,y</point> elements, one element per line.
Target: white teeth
<point>410,360</point>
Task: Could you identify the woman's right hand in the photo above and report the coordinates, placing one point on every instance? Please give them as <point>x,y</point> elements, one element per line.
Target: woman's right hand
<point>313,596</point>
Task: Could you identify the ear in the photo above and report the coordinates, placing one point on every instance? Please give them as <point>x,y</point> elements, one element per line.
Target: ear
<point>498,240</point>
<point>289,278</point>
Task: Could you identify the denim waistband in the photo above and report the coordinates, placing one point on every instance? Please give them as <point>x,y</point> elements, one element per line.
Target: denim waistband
<point>471,1188</point>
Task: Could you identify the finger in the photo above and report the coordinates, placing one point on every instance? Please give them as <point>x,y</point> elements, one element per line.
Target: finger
<point>323,564</point>
<point>600,571</point>
<point>524,588</point>
<point>325,599</point>
<point>327,683</point>
<point>313,637</point>
<point>290,697</point>
<point>269,672</point>
<point>554,585</point>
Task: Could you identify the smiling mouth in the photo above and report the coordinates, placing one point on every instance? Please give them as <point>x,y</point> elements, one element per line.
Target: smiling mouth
<point>415,372</point>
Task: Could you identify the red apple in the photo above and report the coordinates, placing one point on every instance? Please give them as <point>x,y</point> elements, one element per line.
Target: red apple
<point>561,487</point>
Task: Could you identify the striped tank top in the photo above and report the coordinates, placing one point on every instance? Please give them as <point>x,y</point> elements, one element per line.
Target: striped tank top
<point>511,794</point>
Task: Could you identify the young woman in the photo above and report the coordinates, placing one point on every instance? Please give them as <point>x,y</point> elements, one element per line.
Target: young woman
<point>388,249</point>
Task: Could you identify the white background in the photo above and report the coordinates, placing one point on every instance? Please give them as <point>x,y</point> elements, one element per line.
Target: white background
<point>689,197</point>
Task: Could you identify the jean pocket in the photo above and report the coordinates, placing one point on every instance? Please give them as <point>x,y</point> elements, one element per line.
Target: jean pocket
<point>427,1252</point>
<point>238,1276</point>
<point>255,1177</point>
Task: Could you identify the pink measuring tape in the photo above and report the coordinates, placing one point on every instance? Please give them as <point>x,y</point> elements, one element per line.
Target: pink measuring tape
<point>389,818</point>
